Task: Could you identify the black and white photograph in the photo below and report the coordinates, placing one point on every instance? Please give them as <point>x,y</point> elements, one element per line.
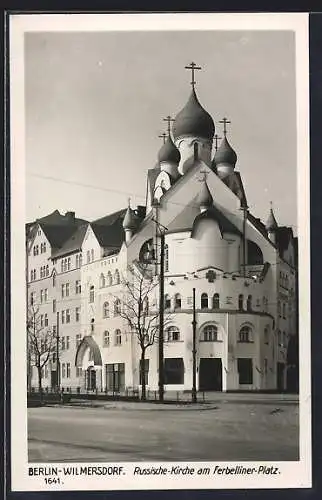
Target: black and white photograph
<point>160,330</point>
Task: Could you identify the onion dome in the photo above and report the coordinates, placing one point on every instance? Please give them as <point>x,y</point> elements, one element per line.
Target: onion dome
<point>169,152</point>
<point>193,120</point>
<point>271,224</point>
<point>225,154</point>
<point>204,198</point>
<point>129,221</point>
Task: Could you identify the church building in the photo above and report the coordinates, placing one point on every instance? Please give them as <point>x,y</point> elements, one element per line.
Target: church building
<point>223,267</point>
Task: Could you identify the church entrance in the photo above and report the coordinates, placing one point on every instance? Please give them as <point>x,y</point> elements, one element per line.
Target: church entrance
<point>210,374</point>
<point>91,378</point>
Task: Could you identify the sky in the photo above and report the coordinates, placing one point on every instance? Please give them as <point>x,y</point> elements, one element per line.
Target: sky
<point>95,104</point>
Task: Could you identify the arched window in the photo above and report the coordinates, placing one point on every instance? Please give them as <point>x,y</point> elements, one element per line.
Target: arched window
<point>91,293</point>
<point>92,325</point>
<point>249,303</point>
<point>240,302</point>
<point>266,335</point>
<point>166,258</point>
<point>215,301</point>
<point>47,270</point>
<point>118,337</point>
<point>88,256</point>
<point>92,254</point>
<point>54,280</point>
<point>117,277</point>
<point>204,301</point>
<point>109,278</point>
<point>80,260</point>
<point>177,301</point>
<point>167,302</point>
<point>245,334</point>
<point>173,334</point>
<point>106,310</point>
<point>195,150</point>
<point>102,280</point>
<point>117,307</point>
<point>44,247</point>
<point>210,333</point>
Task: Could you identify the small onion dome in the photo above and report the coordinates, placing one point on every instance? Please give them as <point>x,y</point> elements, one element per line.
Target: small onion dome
<point>129,221</point>
<point>193,120</point>
<point>204,198</point>
<point>225,154</point>
<point>169,152</point>
<point>271,224</point>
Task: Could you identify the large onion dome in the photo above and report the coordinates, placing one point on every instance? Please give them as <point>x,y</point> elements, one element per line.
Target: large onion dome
<point>193,120</point>
<point>204,198</point>
<point>169,152</point>
<point>129,221</point>
<point>225,154</point>
<point>271,224</point>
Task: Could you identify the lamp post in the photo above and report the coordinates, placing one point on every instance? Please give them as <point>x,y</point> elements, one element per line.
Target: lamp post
<point>161,310</point>
<point>57,355</point>
<point>194,363</point>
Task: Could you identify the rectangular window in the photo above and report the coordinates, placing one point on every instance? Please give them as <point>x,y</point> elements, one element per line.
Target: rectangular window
<point>63,290</point>
<point>78,339</point>
<point>68,370</point>
<point>46,294</point>
<point>79,371</point>
<point>67,289</point>
<point>32,298</point>
<point>41,296</point>
<point>67,342</point>
<point>41,320</point>
<point>245,370</point>
<point>144,367</point>
<point>63,316</point>
<point>78,288</point>
<point>115,377</point>
<point>63,346</point>
<point>46,319</point>
<point>63,370</point>
<point>106,338</point>
<point>67,316</point>
<point>54,305</point>
<point>77,314</point>
<point>173,371</point>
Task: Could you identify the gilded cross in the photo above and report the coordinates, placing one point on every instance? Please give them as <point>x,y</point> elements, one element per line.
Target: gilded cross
<point>193,67</point>
<point>225,121</point>
<point>168,119</point>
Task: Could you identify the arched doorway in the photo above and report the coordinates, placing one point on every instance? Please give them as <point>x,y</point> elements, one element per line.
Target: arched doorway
<point>88,357</point>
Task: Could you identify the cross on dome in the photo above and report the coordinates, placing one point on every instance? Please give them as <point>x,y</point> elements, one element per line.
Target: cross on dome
<point>193,67</point>
<point>225,121</point>
<point>163,136</point>
<point>168,119</point>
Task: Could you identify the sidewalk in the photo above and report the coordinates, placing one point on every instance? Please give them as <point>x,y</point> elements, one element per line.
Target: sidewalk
<point>211,401</point>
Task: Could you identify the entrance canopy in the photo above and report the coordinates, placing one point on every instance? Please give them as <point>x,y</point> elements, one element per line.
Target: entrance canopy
<point>88,342</point>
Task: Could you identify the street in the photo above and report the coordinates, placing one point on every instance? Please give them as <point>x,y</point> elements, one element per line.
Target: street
<point>226,432</point>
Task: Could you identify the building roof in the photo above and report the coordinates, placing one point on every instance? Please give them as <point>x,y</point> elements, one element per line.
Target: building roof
<point>57,228</point>
<point>271,224</point>
<point>235,184</point>
<point>283,237</point>
<point>73,244</point>
<point>204,198</point>
<point>217,215</point>
<point>193,120</point>
<point>109,230</point>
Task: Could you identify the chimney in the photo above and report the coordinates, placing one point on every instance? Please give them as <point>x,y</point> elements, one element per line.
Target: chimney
<point>70,216</point>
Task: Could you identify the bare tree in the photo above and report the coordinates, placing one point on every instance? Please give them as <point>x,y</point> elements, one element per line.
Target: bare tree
<point>41,342</point>
<point>142,320</point>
